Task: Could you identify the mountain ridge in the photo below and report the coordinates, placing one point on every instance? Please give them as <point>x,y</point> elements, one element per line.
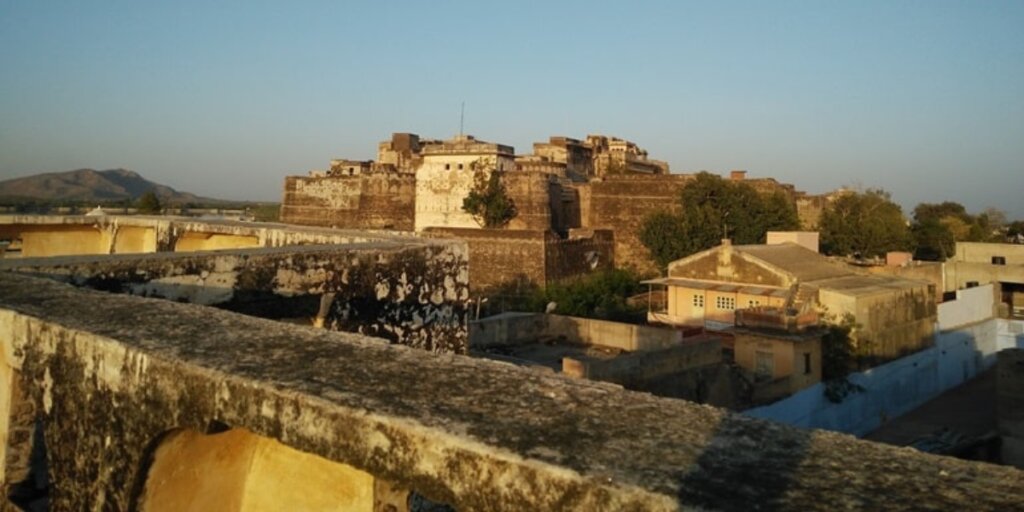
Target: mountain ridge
<point>93,185</point>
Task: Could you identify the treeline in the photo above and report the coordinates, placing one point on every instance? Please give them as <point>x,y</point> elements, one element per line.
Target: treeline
<point>148,203</point>
<point>864,224</point>
<point>869,224</point>
<point>712,209</point>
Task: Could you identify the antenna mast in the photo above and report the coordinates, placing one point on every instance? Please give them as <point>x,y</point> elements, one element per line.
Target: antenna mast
<point>462,118</point>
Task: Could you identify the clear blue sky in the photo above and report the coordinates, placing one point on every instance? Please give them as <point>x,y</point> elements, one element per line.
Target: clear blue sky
<point>924,99</point>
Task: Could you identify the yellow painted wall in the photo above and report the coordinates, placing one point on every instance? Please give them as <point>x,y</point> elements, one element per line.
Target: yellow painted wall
<point>133,239</point>
<point>63,240</point>
<point>241,471</point>
<point>744,301</point>
<point>680,303</point>
<point>194,241</point>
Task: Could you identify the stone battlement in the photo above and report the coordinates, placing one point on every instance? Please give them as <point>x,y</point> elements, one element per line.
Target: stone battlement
<point>114,378</point>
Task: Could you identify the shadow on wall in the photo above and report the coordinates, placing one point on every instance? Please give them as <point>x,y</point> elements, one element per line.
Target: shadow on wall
<point>895,388</point>
<point>736,454</point>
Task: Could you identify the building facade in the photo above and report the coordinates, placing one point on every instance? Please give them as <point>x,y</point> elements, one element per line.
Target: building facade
<point>893,316</point>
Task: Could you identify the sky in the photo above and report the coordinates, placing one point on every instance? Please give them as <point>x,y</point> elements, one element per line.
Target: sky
<point>924,99</point>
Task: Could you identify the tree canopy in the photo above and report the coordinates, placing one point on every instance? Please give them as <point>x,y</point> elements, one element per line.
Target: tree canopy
<point>713,208</point>
<point>863,224</point>
<point>488,201</point>
<point>938,226</point>
<point>149,203</point>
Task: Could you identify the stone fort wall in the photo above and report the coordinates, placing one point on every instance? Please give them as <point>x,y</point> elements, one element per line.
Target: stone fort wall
<point>520,259</point>
<point>615,202</point>
<point>366,201</point>
<point>621,203</point>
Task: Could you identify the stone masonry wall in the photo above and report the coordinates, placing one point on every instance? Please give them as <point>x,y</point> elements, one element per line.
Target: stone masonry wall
<point>368,201</point>
<point>520,259</point>
<point>501,257</point>
<point>583,252</point>
<point>532,193</point>
<point>621,203</point>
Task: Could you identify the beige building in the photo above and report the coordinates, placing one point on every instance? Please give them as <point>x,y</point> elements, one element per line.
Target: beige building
<point>976,263</point>
<point>894,316</point>
<point>782,363</point>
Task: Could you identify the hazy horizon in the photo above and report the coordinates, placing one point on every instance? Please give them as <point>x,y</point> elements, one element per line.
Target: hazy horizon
<point>923,99</point>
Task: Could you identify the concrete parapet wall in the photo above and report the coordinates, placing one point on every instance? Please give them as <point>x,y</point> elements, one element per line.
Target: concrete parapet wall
<point>972,305</point>
<point>54,235</point>
<point>981,252</point>
<point>637,369</point>
<point>629,337</point>
<point>412,292</point>
<point>521,328</point>
<point>112,374</point>
<point>960,273</point>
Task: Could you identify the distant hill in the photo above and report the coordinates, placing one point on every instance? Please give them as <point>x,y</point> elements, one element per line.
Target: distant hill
<point>89,185</point>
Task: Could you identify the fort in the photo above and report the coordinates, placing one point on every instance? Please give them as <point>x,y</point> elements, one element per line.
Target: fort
<point>598,183</point>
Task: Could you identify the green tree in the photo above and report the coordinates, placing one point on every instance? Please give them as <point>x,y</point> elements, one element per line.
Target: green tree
<point>1015,229</point>
<point>712,208</point>
<point>938,226</point>
<point>602,295</point>
<point>667,237</point>
<point>933,241</point>
<point>149,204</point>
<point>488,201</point>
<point>864,223</point>
<point>838,358</point>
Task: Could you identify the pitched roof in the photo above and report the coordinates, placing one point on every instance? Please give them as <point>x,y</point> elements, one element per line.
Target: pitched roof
<point>802,263</point>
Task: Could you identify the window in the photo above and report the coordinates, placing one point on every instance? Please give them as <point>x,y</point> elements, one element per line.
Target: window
<point>807,363</point>
<point>447,167</point>
<point>460,167</point>
<point>972,284</point>
<point>698,300</point>
<point>725,302</point>
<point>753,303</point>
<point>999,260</point>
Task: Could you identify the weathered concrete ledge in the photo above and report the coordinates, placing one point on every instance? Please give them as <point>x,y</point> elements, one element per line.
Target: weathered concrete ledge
<point>60,235</point>
<point>410,291</point>
<point>110,373</point>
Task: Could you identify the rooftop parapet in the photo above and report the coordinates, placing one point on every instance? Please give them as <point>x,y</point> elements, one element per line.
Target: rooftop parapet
<point>776,319</point>
<point>467,144</point>
<point>479,435</point>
